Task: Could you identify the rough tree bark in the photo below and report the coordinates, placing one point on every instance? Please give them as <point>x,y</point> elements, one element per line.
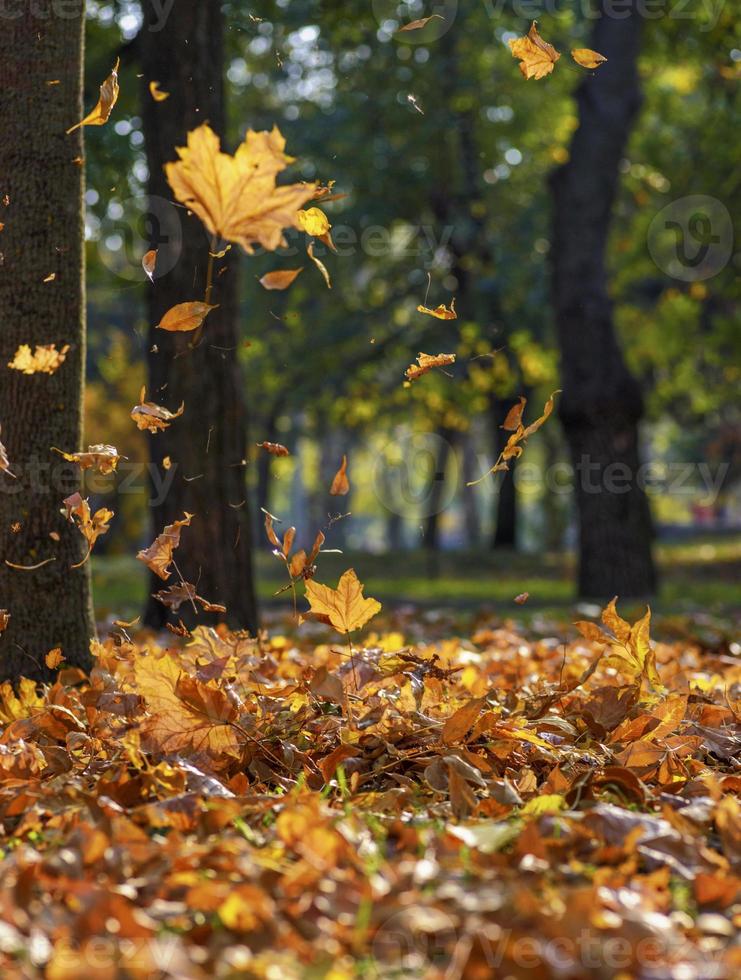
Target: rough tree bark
<point>41,185</point>
<point>601,404</point>
<point>208,443</point>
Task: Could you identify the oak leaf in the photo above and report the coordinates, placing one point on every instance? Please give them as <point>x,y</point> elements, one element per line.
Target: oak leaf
<point>537,57</point>
<point>46,359</point>
<point>345,607</point>
<point>106,102</point>
<point>185,317</point>
<point>158,556</point>
<point>236,197</point>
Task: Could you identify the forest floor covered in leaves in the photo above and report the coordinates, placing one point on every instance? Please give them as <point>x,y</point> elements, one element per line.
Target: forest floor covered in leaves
<point>505,803</point>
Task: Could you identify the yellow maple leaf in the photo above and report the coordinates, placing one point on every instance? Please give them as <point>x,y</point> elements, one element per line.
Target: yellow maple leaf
<point>46,359</point>
<point>106,102</point>
<point>236,197</point>
<point>345,607</point>
<point>537,57</point>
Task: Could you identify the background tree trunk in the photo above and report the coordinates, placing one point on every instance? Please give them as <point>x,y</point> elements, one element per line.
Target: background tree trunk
<point>601,403</point>
<point>41,185</point>
<point>505,503</point>
<point>208,444</point>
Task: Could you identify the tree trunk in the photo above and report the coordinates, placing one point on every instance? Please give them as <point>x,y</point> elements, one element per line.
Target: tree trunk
<point>505,529</point>
<point>41,185</point>
<point>601,404</point>
<point>434,497</point>
<point>208,444</point>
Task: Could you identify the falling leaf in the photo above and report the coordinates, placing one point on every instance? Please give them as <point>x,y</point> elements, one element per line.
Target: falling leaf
<point>175,595</point>
<point>522,598</point>
<point>319,264</point>
<point>156,92</point>
<point>274,448</point>
<point>54,658</point>
<point>106,102</point>
<point>416,25</point>
<point>588,58</point>
<point>166,463</point>
<point>345,607</point>
<point>103,458</point>
<point>426,362</point>
<point>314,222</point>
<point>537,57</point>
<point>91,526</point>
<point>4,620</point>
<point>51,277</point>
<point>149,261</point>
<point>440,312</point>
<point>185,317</point>
<point>5,462</point>
<point>236,197</point>
<point>340,483</point>
<point>279,278</point>
<point>46,359</point>
<point>515,444</point>
<point>158,556</point>
<point>153,417</point>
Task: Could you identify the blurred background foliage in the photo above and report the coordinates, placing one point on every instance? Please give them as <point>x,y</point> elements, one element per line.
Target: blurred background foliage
<point>441,151</point>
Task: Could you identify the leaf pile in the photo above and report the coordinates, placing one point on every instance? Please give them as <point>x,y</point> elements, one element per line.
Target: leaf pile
<point>498,805</point>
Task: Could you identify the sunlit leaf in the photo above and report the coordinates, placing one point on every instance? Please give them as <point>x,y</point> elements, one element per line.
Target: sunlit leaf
<point>185,317</point>
<point>106,102</point>
<point>345,607</point>
<point>537,57</point>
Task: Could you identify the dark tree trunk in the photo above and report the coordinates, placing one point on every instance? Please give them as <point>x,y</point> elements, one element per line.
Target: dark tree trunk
<point>471,520</point>
<point>208,443</point>
<point>434,498</point>
<point>41,184</point>
<point>505,516</point>
<point>601,404</point>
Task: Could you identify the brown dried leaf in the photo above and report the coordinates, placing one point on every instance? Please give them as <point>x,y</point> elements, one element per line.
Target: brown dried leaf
<point>340,483</point>
<point>108,96</point>
<point>280,278</point>
<point>152,417</point>
<point>103,458</point>
<point>185,317</point>
<point>158,556</point>
<point>426,362</point>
